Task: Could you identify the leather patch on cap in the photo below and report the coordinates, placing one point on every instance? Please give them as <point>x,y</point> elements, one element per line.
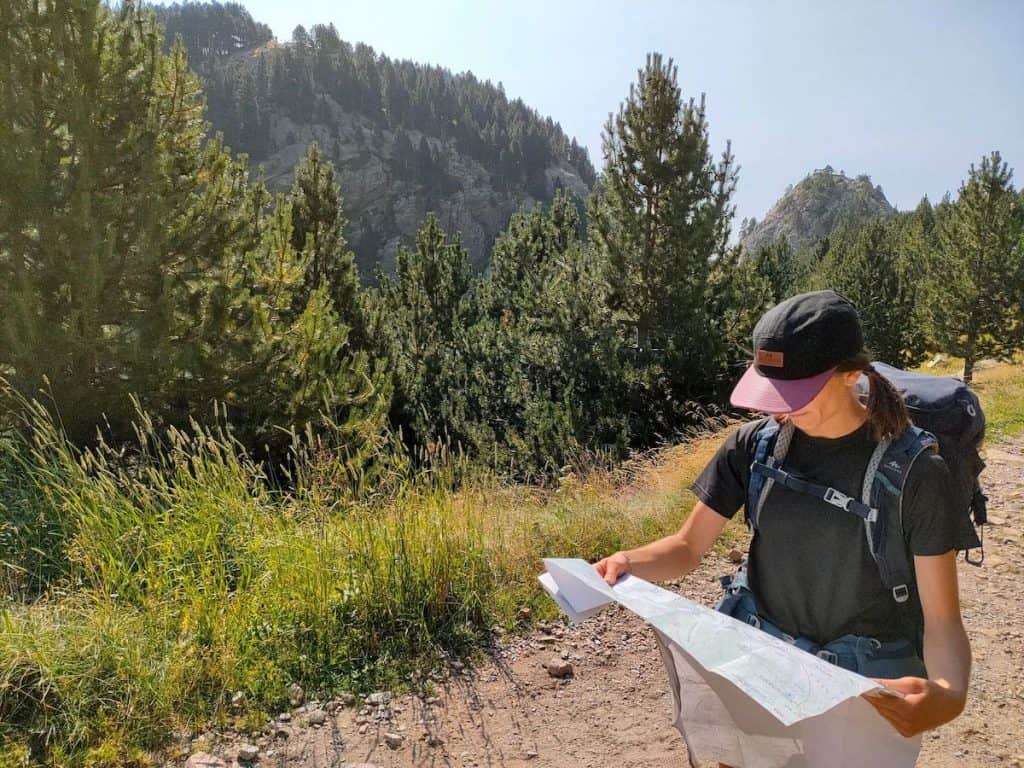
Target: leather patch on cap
<point>768,358</point>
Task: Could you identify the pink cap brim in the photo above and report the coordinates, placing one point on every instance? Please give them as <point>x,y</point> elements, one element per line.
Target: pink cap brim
<point>759,393</point>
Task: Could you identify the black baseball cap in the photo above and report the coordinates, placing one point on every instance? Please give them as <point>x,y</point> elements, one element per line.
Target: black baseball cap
<point>797,345</point>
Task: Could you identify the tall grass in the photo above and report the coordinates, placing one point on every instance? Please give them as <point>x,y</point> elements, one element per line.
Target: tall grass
<point>142,588</point>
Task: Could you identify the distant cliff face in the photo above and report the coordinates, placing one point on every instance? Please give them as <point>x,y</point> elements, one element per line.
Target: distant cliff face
<point>405,138</point>
<point>821,203</point>
<point>387,193</point>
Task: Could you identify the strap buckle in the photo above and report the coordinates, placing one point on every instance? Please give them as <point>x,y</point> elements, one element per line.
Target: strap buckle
<point>900,593</point>
<point>838,499</point>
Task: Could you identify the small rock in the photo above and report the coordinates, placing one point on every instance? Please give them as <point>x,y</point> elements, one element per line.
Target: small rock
<point>347,699</point>
<point>559,668</point>
<point>364,728</point>
<point>525,613</point>
<point>394,740</point>
<point>317,717</point>
<point>282,731</point>
<point>247,753</point>
<point>735,556</point>
<point>204,760</point>
<point>284,717</point>
<point>379,697</point>
<point>530,754</point>
<point>296,695</point>
<point>238,700</point>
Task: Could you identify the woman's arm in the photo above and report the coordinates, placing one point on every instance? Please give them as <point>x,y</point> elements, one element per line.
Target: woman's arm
<point>947,654</point>
<point>671,556</point>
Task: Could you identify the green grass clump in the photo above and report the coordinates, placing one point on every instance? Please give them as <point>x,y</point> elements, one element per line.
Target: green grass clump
<point>142,590</point>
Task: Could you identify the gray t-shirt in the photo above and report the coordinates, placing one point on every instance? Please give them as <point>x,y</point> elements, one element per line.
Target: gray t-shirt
<point>810,566</point>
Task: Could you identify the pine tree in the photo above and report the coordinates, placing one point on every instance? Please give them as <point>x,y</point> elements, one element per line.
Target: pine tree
<point>318,232</point>
<point>869,268</point>
<point>417,323</point>
<point>977,278</point>
<point>542,363</point>
<point>135,257</point>
<point>661,216</point>
<point>295,361</point>
<point>113,214</point>
<point>777,264</point>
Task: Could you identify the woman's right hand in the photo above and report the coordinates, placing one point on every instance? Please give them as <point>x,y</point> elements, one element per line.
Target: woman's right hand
<point>613,566</point>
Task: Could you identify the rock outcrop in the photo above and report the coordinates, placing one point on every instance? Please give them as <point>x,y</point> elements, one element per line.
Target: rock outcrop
<point>816,207</point>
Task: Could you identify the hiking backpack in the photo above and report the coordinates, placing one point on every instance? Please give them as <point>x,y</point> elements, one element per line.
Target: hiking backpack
<point>946,418</point>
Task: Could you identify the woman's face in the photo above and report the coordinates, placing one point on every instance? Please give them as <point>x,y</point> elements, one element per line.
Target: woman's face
<point>833,398</point>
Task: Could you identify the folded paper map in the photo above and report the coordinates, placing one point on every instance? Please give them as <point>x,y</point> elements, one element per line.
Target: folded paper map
<point>740,696</point>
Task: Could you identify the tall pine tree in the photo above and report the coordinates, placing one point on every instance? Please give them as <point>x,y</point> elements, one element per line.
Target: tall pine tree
<point>977,278</point>
<point>661,216</point>
<point>542,372</point>
<point>318,231</point>
<point>417,321</point>
<point>114,211</point>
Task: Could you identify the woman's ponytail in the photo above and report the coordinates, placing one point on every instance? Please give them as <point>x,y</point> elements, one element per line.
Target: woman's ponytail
<point>886,410</point>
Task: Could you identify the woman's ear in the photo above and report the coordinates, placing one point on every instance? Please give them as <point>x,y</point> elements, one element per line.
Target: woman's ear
<point>850,378</point>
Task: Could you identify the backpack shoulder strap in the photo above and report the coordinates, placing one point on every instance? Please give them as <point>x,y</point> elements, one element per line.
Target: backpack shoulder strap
<point>771,443</point>
<point>884,482</point>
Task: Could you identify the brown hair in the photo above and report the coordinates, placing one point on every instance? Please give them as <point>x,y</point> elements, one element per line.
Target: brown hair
<point>886,411</point>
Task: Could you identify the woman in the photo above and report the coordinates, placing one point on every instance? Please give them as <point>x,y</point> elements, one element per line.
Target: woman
<point>811,576</point>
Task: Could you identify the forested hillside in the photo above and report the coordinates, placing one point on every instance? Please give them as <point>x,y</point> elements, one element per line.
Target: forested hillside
<point>405,138</point>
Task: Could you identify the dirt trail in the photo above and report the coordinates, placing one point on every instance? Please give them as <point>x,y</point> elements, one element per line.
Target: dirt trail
<point>615,708</point>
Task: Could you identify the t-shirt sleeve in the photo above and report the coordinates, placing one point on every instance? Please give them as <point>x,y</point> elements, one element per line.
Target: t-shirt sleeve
<point>931,521</point>
<point>722,485</point>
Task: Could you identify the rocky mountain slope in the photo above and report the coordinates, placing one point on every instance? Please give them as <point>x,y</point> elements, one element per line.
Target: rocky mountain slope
<point>822,202</point>
<point>405,138</point>
<point>385,206</point>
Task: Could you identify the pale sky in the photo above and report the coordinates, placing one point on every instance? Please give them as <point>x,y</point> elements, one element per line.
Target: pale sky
<point>910,93</point>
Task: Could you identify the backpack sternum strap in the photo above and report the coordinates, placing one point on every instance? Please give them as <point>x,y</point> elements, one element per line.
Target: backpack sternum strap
<point>880,505</point>
<point>826,493</point>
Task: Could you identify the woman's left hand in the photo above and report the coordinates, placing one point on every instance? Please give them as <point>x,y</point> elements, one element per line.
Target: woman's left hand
<point>925,704</point>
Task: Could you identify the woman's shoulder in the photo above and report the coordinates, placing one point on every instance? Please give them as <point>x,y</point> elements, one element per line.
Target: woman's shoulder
<point>934,520</point>
<point>930,466</point>
<point>744,437</point>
